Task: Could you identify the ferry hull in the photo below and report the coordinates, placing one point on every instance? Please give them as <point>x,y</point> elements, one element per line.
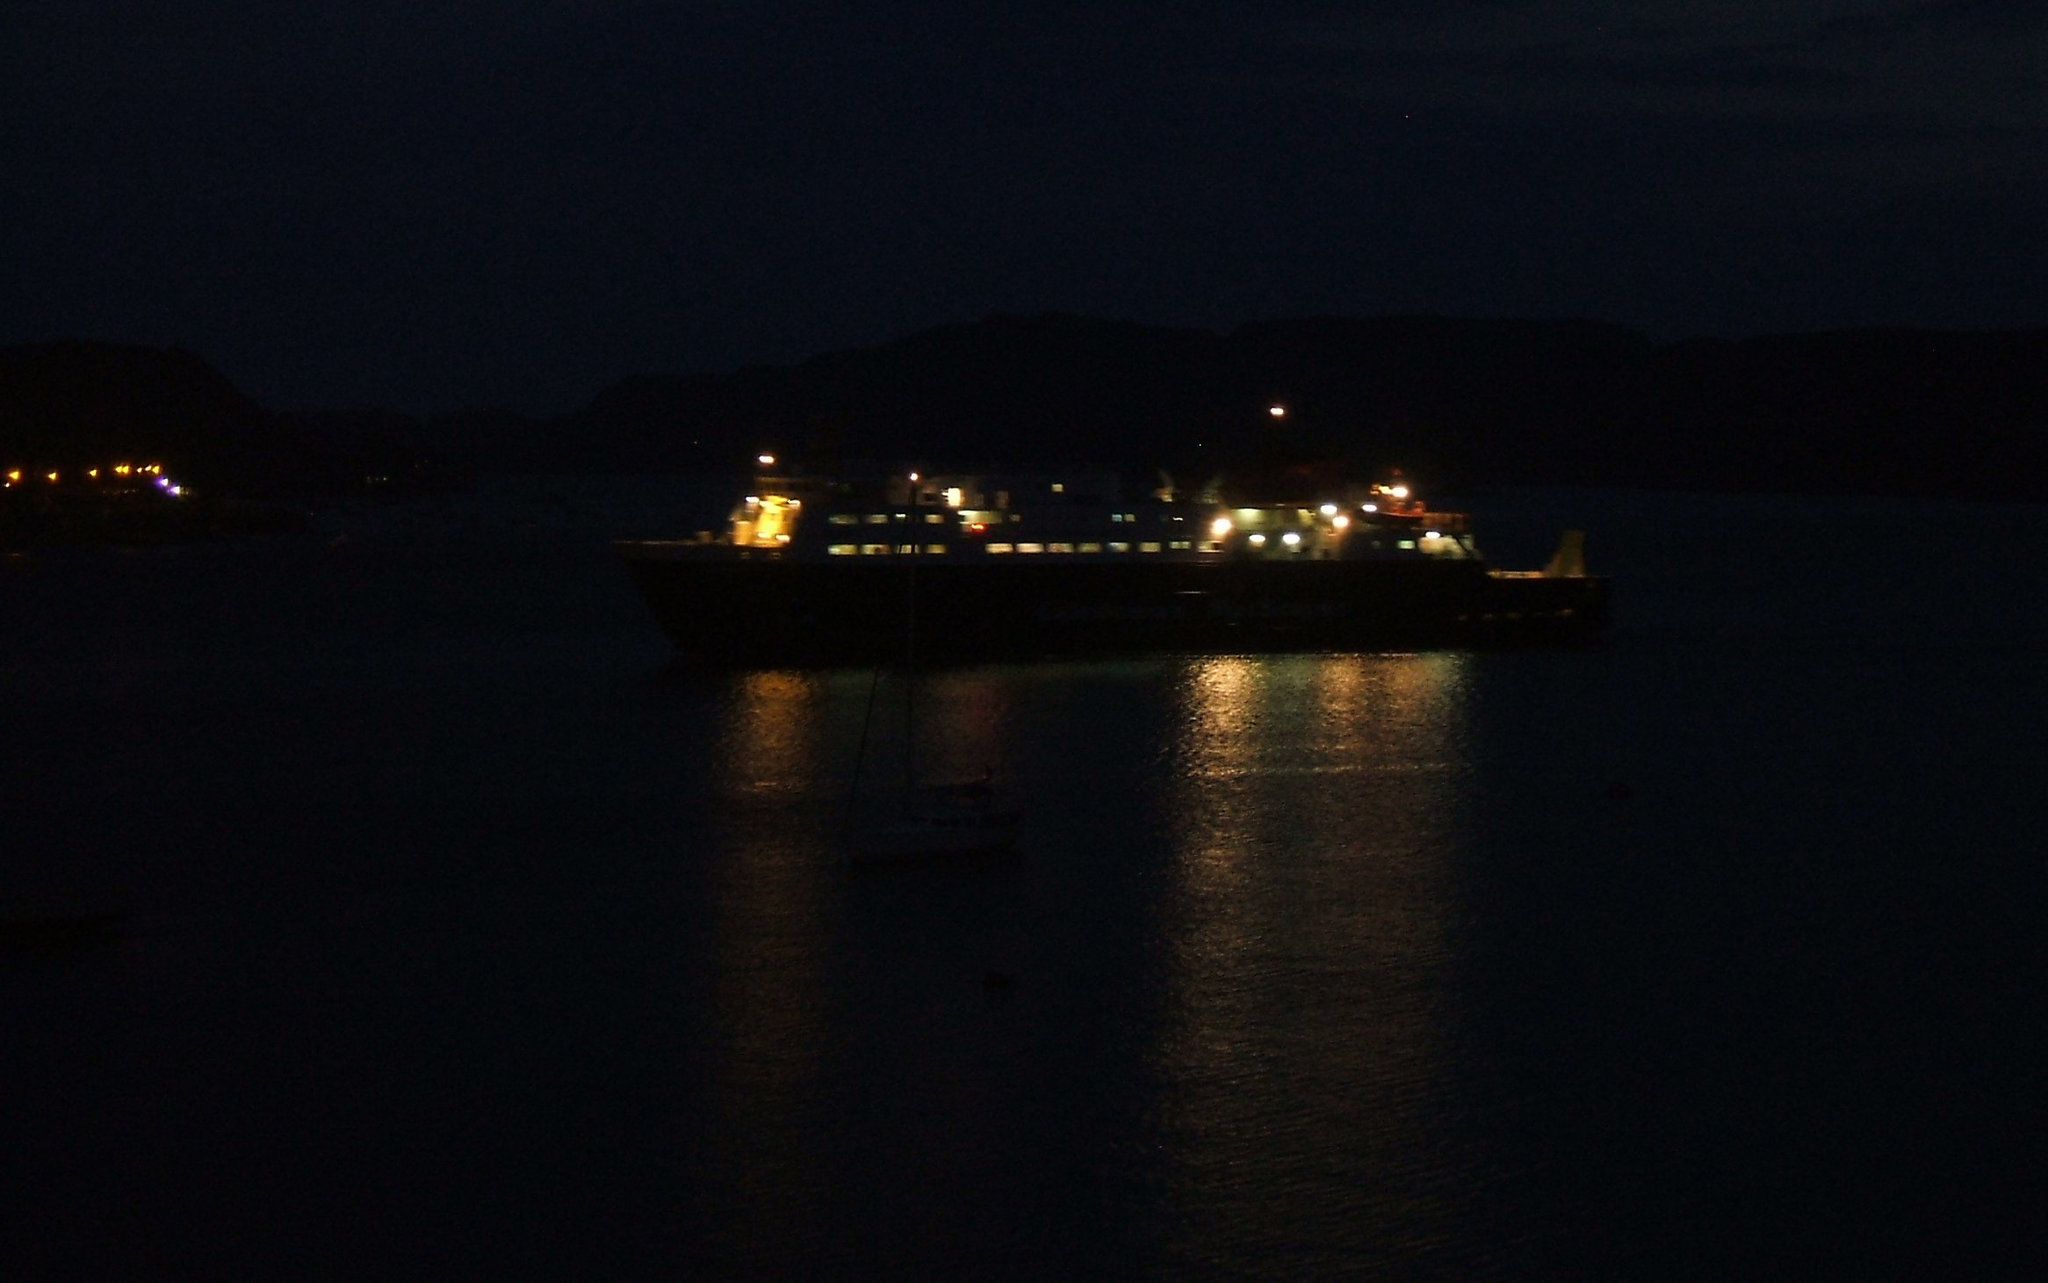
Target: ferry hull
<point>727,608</point>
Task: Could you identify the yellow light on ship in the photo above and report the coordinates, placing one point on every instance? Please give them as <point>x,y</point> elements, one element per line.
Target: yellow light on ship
<point>51,475</point>
<point>1399,492</point>
<point>94,473</point>
<point>122,469</point>
<point>13,475</point>
<point>1340,522</point>
<point>1220,527</point>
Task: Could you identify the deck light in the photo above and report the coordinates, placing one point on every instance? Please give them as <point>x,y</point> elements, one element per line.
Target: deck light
<point>1257,540</point>
<point>1340,522</point>
<point>1220,527</point>
<point>1368,507</point>
<point>1291,538</point>
<point>1277,411</point>
<point>1328,510</point>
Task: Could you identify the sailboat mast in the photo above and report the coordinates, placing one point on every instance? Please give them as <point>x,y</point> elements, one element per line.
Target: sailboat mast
<point>910,642</point>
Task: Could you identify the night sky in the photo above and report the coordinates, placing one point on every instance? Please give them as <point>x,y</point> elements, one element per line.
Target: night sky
<point>433,204</point>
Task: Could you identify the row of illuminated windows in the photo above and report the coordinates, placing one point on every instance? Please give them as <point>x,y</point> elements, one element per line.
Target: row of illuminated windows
<point>930,518</point>
<point>939,518</point>
<point>883,549</point>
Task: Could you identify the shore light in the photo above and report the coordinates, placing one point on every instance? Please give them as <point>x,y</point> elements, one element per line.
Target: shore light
<point>1277,411</point>
<point>765,460</point>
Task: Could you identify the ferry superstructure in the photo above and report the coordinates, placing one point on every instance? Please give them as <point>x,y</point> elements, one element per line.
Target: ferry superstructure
<point>818,569</point>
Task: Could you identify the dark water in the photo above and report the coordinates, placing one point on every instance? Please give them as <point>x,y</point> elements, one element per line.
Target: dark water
<point>470,939</point>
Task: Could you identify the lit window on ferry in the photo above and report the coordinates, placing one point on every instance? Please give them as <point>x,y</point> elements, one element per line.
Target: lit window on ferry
<point>1090,547</point>
<point>1059,488</point>
<point>1182,545</point>
<point>1406,543</point>
<point>934,549</point>
<point>873,549</point>
<point>906,549</point>
<point>1148,546</point>
<point>1030,547</point>
<point>1060,547</point>
<point>841,549</point>
<point>1000,547</point>
<point>843,519</point>
<point>877,518</point>
<point>1116,516</point>
<point>1115,546</point>
<point>935,518</point>
<point>955,496</point>
<point>1208,545</point>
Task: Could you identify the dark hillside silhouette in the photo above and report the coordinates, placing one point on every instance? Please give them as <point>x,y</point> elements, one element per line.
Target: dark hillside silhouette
<point>1460,404</point>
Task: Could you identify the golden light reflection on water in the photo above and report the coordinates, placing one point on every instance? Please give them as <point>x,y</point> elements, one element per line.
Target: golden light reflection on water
<point>770,740</point>
<point>769,840</point>
<point>1313,803</point>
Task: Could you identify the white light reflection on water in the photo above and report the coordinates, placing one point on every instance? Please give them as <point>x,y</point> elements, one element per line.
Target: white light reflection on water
<point>1258,853</point>
<point>1302,1059</point>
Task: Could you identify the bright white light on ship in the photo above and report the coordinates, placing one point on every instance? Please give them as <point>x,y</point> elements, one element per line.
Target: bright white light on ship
<point>1328,510</point>
<point>1341,522</point>
<point>177,490</point>
<point>1368,507</point>
<point>753,499</point>
<point>1290,539</point>
<point>1277,411</point>
<point>913,476</point>
<point>1258,540</point>
<point>1433,534</point>
<point>1399,492</point>
<point>1220,527</point>
<point>765,460</point>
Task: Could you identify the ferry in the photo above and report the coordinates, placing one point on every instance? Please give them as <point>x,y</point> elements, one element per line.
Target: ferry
<point>828,570</point>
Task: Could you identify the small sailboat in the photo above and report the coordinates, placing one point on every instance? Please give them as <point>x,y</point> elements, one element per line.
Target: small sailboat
<point>924,821</point>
